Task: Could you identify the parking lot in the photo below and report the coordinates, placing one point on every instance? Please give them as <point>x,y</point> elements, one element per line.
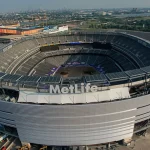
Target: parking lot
<point>141,143</point>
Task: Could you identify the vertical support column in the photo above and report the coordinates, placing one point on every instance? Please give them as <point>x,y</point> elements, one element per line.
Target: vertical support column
<point>74,148</point>
<point>108,145</point>
<point>82,147</point>
<point>53,147</point>
<point>146,84</point>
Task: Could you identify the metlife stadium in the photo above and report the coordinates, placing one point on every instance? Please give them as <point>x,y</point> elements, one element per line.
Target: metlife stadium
<point>75,89</point>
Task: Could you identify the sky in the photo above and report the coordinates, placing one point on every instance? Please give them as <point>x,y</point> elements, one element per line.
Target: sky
<point>18,5</point>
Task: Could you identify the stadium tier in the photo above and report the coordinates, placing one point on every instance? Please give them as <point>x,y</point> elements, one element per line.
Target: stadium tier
<point>75,89</point>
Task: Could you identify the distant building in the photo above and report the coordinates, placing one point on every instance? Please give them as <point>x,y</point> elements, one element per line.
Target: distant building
<point>13,30</point>
<point>55,29</point>
<point>109,13</point>
<point>134,10</point>
<point>104,13</point>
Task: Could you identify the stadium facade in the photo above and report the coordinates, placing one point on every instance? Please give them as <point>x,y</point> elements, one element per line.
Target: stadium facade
<point>12,30</point>
<point>117,109</point>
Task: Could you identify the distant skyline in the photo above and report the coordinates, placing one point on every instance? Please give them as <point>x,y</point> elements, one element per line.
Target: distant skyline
<point>22,5</point>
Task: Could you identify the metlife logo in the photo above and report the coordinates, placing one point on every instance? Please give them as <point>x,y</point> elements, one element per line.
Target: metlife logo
<point>77,89</point>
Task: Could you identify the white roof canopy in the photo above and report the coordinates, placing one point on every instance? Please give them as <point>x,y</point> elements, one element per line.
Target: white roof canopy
<point>112,94</point>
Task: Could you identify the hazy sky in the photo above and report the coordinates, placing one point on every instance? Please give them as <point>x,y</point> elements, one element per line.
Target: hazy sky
<point>15,5</point>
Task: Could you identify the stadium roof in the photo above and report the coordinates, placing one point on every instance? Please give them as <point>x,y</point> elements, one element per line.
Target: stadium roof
<point>118,76</point>
<point>147,70</point>
<point>50,79</point>
<point>2,74</point>
<point>11,78</point>
<point>135,73</point>
<point>101,78</point>
<point>29,79</point>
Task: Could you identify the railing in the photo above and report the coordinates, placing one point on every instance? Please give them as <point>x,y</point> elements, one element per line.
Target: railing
<point>43,87</point>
